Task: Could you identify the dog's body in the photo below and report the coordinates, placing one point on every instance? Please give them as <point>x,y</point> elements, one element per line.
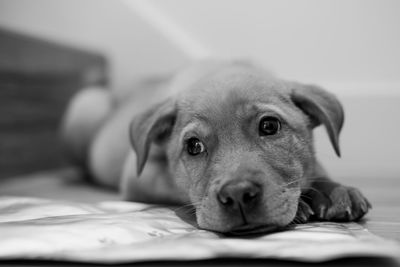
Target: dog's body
<point>228,138</point>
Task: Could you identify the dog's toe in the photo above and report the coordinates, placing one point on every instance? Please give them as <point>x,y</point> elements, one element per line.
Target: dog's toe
<point>304,212</point>
<point>360,205</point>
<point>347,204</point>
<point>319,202</point>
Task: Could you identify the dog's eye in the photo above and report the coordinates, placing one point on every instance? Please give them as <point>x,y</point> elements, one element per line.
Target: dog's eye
<point>269,126</point>
<point>194,146</point>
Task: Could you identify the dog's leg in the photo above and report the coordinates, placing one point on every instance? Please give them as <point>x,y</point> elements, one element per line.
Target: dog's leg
<point>154,184</point>
<point>332,201</point>
<point>85,114</point>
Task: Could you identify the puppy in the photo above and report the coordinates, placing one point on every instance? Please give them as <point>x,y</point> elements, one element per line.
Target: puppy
<point>228,138</point>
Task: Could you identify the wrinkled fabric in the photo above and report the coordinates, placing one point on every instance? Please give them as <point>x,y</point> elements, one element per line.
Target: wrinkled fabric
<point>121,232</point>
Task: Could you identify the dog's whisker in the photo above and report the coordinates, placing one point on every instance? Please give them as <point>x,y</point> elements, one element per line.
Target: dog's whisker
<point>302,201</point>
<point>305,196</point>
<point>313,189</point>
<point>293,182</point>
<point>319,179</point>
<point>187,208</point>
<point>191,206</point>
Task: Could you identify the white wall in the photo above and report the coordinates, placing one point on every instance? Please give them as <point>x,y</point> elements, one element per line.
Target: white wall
<point>332,41</point>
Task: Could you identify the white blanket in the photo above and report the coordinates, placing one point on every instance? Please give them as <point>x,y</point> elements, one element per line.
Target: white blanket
<point>121,232</point>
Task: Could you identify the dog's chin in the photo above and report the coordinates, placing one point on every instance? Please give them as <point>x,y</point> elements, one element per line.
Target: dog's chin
<point>248,230</point>
<point>232,228</point>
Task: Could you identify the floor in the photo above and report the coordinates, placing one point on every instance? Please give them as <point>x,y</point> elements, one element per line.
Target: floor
<point>383,219</point>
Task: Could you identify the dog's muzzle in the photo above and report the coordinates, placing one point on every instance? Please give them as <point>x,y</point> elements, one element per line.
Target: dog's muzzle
<point>240,196</point>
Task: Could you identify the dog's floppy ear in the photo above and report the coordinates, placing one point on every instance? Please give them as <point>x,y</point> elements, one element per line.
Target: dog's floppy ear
<point>322,107</point>
<point>153,125</point>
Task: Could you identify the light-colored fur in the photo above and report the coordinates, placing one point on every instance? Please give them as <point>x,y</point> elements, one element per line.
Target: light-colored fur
<point>220,103</point>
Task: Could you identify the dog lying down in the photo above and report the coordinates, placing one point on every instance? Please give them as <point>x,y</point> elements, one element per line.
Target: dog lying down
<point>226,138</point>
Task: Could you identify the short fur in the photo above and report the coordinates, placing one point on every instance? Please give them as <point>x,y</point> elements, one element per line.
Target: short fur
<point>270,181</point>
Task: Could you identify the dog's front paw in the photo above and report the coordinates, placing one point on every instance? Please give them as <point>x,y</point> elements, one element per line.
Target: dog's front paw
<point>338,203</point>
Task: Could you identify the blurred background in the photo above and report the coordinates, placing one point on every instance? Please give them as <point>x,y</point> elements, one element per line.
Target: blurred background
<point>49,49</point>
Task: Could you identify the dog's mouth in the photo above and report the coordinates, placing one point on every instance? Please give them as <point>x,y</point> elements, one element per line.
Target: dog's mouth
<point>249,229</point>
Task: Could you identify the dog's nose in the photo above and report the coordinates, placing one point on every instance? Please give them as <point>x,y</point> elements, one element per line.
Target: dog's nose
<point>243,193</point>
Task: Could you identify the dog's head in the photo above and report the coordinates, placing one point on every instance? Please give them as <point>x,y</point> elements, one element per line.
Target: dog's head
<point>239,144</point>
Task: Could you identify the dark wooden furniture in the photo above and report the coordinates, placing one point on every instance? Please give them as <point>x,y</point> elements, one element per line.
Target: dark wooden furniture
<point>37,78</point>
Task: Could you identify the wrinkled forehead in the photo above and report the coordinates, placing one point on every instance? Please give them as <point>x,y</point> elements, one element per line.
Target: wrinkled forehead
<point>225,104</point>
<point>218,110</point>
<point>234,91</point>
